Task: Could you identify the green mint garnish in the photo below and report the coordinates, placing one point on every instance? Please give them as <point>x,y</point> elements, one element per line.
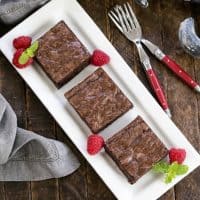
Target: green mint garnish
<point>29,53</point>
<point>161,167</point>
<point>169,177</point>
<point>170,170</point>
<point>32,49</point>
<point>182,169</point>
<point>34,46</point>
<point>23,59</point>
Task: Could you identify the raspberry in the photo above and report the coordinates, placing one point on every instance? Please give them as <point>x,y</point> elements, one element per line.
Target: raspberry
<point>22,42</point>
<point>177,155</point>
<point>94,144</point>
<point>16,57</point>
<point>99,58</point>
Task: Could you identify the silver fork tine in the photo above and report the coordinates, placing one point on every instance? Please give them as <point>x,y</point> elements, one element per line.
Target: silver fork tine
<point>125,18</point>
<point>113,17</point>
<point>124,29</point>
<point>129,17</point>
<point>133,15</point>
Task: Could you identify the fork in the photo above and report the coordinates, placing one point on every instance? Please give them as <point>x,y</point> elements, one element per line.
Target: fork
<point>125,19</point>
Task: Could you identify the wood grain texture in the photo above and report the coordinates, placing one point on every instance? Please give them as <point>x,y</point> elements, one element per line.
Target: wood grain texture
<point>189,187</point>
<point>74,186</point>
<point>170,195</point>
<point>13,88</point>
<point>39,121</point>
<point>160,24</point>
<point>2,191</point>
<point>183,101</point>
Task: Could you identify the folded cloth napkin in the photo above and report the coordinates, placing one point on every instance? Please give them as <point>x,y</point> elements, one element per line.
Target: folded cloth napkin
<point>11,11</point>
<point>26,156</point>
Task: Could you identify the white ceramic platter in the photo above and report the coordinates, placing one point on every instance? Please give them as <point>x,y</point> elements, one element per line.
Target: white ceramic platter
<point>150,186</point>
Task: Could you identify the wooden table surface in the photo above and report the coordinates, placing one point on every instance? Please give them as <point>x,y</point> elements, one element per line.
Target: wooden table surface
<point>160,24</point>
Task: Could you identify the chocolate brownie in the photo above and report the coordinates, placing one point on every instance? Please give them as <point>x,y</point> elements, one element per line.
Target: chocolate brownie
<point>98,100</point>
<point>135,149</point>
<point>61,54</point>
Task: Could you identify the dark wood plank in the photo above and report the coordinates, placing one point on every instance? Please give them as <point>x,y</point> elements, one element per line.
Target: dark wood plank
<point>4,29</point>
<point>189,187</point>
<point>74,186</point>
<point>40,121</point>
<point>196,11</point>
<point>45,189</point>
<point>183,101</point>
<point>168,195</point>
<point>2,191</point>
<point>12,87</point>
<point>17,191</point>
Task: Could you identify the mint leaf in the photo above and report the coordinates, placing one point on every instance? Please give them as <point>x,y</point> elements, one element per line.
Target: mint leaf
<point>174,166</point>
<point>171,172</point>
<point>170,176</point>
<point>34,46</point>
<point>182,169</point>
<point>174,170</point>
<point>30,53</point>
<point>161,167</point>
<point>32,49</point>
<point>23,59</point>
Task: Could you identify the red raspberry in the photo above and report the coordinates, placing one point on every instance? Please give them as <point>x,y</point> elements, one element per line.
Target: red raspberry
<point>22,42</point>
<point>16,57</point>
<point>99,58</point>
<point>94,144</point>
<point>177,155</point>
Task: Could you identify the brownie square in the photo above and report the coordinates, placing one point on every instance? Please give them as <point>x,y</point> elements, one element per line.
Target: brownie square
<point>135,149</point>
<point>61,54</point>
<point>98,100</point>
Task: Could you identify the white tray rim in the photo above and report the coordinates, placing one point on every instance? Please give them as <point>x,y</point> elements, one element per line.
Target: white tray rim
<point>126,75</point>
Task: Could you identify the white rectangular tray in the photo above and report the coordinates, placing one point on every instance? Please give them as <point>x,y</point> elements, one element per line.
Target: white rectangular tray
<point>149,186</point>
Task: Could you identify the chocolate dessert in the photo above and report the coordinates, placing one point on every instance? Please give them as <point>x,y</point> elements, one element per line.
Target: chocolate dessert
<point>61,54</point>
<point>98,100</point>
<point>135,149</point>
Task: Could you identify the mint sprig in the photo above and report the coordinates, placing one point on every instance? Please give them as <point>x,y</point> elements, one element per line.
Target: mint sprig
<point>23,59</point>
<point>170,170</point>
<point>29,53</point>
<point>161,167</point>
<point>34,47</point>
<point>182,169</point>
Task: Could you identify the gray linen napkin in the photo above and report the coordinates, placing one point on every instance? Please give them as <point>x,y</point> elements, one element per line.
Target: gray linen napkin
<point>26,156</point>
<point>11,11</point>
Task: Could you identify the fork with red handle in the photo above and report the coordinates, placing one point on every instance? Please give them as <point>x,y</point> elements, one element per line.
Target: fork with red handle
<point>126,21</point>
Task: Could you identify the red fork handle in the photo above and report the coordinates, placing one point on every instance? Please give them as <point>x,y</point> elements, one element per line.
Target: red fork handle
<point>179,72</point>
<point>157,89</point>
